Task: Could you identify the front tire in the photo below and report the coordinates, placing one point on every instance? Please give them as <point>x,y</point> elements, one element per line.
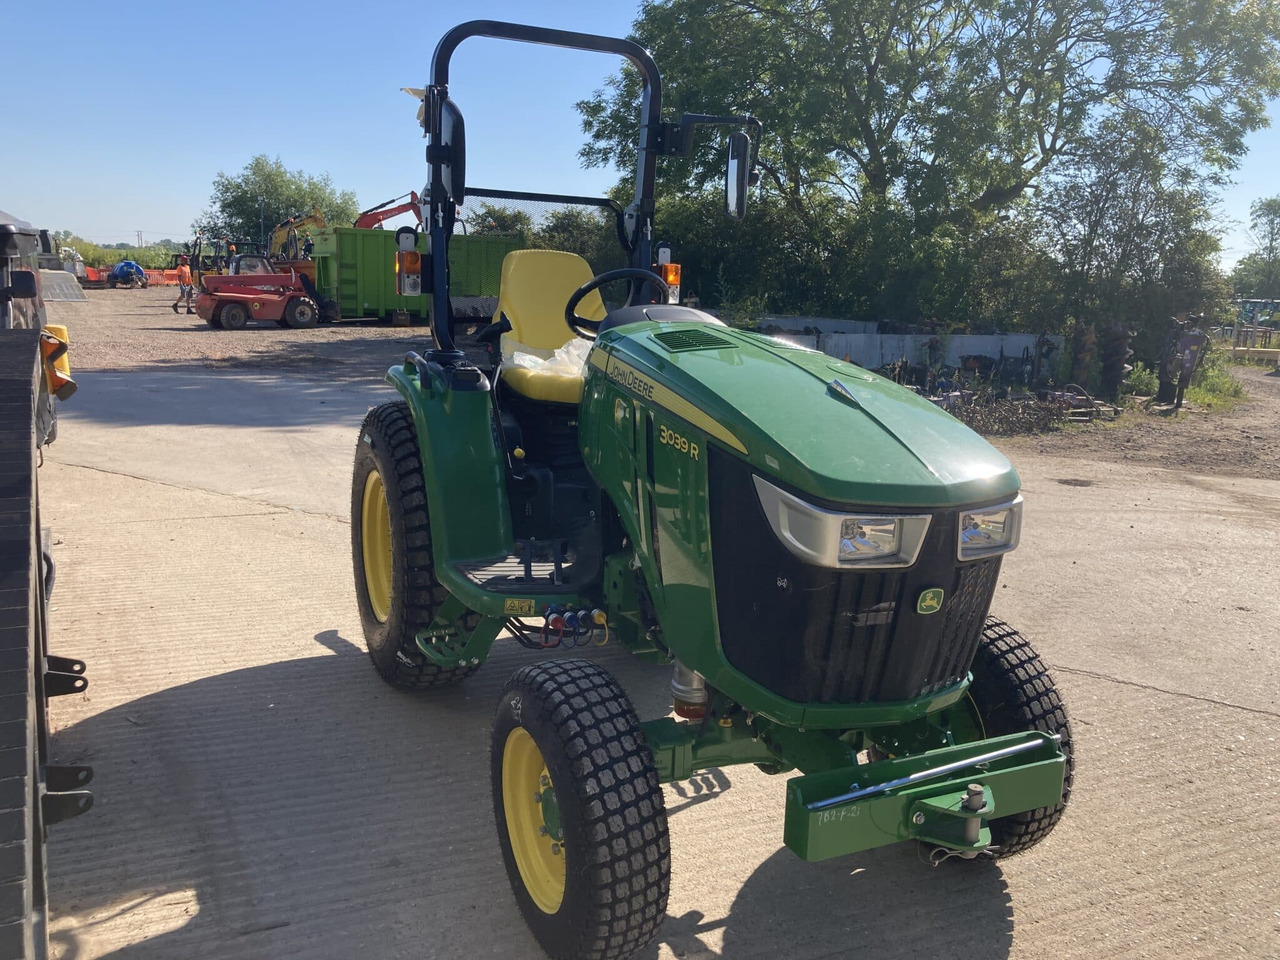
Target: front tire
<point>590,864</point>
<point>233,316</point>
<point>1013,692</point>
<point>301,313</point>
<point>396,585</point>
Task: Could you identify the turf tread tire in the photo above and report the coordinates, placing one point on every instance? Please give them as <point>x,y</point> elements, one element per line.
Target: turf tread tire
<point>388,442</point>
<point>1014,692</point>
<point>611,809</point>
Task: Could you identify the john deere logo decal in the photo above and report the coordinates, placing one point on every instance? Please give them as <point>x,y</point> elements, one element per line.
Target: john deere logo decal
<point>930,601</point>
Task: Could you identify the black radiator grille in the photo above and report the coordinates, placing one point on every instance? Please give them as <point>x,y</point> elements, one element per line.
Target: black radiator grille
<point>817,635</point>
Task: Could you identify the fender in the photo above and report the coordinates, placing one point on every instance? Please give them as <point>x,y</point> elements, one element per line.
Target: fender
<point>464,470</point>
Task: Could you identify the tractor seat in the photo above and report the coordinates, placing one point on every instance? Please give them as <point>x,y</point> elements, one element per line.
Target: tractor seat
<point>535,286</point>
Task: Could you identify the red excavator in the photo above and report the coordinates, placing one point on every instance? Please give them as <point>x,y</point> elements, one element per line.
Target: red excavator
<point>374,216</point>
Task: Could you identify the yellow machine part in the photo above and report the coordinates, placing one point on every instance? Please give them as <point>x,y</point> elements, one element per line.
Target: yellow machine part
<point>532,294</point>
<point>280,235</point>
<point>63,363</point>
<point>538,854</point>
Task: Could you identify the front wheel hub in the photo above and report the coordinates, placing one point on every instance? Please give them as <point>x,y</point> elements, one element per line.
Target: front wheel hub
<point>375,543</point>
<point>533,821</point>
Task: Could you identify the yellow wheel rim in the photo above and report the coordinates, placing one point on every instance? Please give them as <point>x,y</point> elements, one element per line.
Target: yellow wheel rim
<point>375,544</point>
<point>533,820</point>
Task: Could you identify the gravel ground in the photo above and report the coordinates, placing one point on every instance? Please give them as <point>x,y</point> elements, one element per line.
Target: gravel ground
<point>135,329</point>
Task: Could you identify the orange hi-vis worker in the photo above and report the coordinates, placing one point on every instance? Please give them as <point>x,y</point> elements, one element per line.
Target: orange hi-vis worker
<point>185,287</point>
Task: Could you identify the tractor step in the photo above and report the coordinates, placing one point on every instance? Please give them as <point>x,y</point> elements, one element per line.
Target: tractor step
<point>537,567</point>
<point>936,797</point>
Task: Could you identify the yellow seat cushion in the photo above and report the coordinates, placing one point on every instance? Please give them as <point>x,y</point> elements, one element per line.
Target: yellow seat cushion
<point>548,387</point>
<point>533,291</point>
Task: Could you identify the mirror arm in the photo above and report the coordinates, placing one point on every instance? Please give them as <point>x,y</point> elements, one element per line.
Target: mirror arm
<point>677,138</point>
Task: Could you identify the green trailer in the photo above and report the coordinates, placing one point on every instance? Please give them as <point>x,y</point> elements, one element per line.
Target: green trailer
<point>355,271</point>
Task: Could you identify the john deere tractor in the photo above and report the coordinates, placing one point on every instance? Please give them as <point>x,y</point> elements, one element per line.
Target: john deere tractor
<point>811,548</point>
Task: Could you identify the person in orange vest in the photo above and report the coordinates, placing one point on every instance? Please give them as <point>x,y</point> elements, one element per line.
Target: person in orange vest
<point>185,287</point>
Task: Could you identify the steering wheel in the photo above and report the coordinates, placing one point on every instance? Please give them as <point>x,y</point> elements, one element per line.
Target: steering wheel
<point>589,328</point>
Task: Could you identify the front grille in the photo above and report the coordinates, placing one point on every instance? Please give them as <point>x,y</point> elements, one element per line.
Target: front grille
<point>817,635</point>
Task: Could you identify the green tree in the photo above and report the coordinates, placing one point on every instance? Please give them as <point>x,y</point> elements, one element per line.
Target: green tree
<point>991,164</point>
<point>265,193</point>
<point>1134,234</point>
<point>946,105</point>
<point>591,234</point>
<point>154,256</point>
<point>508,221</point>
<point>1257,276</point>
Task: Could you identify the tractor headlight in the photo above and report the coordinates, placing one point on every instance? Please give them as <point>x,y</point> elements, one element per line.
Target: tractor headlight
<point>988,531</point>
<point>832,538</point>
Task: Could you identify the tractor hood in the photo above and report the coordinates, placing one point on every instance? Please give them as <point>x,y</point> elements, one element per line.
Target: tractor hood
<point>829,429</point>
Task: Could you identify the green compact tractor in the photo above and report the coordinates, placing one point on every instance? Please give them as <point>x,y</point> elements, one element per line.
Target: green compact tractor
<point>812,549</point>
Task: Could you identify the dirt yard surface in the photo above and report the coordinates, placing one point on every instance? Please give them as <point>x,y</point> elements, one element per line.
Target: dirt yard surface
<point>137,329</point>
<point>1242,442</point>
<point>260,793</point>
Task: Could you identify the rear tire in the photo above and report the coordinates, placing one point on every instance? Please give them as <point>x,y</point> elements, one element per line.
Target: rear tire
<point>232,316</point>
<point>399,594</point>
<point>301,313</point>
<point>602,893</point>
<point>1013,692</point>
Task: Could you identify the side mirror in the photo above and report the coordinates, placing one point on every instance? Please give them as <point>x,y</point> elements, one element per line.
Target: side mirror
<point>737,175</point>
<point>22,286</point>
<point>453,137</point>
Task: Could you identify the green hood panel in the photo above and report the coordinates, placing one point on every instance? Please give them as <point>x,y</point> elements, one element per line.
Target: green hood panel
<point>878,445</point>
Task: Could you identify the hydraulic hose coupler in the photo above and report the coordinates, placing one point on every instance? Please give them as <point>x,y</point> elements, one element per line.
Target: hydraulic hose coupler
<point>688,693</point>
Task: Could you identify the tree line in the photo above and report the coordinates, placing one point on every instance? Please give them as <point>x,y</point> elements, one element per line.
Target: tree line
<point>971,164</point>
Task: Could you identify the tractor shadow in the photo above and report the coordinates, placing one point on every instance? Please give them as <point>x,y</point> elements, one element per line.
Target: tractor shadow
<point>885,904</point>
<point>303,381</point>
<point>262,397</point>
<point>304,808</point>
<point>298,808</point>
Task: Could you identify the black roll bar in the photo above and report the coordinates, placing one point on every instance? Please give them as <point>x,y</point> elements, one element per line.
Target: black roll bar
<point>639,216</point>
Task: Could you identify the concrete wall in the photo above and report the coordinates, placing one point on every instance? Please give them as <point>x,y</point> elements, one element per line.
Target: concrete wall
<point>796,325</point>
<point>872,350</point>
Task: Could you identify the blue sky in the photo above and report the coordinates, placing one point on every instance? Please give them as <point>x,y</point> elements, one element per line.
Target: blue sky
<point>156,102</point>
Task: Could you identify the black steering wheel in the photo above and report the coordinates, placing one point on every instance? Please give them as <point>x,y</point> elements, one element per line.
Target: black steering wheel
<point>589,328</point>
